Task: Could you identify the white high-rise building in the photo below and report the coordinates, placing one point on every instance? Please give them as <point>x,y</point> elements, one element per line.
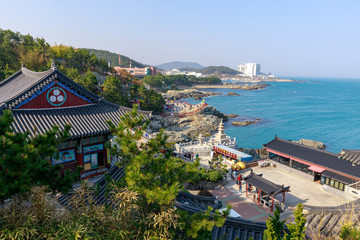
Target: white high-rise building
<point>249,69</point>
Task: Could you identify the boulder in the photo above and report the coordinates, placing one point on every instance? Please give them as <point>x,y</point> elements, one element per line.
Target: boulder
<point>210,110</point>
<point>311,143</point>
<point>231,115</point>
<point>256,153</point>
<point>194,93</point>
<point>233,94</point>
<point>245,123</point>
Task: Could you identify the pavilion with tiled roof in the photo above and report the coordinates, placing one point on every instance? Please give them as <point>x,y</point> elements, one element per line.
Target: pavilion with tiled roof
<point>264,191</point>
<point>40,100</point>
<point>335,173</point>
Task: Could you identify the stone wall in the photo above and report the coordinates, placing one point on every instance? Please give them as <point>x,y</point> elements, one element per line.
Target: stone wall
<point>334,191</point>
<point>352,193</point>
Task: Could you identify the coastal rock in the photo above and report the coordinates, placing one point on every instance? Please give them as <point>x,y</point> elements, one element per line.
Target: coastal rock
<point>256,153</point>
<point>245,123</point>
<point>233,94</point>
<point>189,128</point>
<point>311,143</point>
<point>210,110</point>
<point>185,129</point>
<point>254,86</point>
<point>194,93</point>
<point>231,115</point>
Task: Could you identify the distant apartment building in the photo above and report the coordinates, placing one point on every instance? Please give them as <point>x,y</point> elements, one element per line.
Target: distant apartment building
<point>249,69</point>
<point>138,72</point>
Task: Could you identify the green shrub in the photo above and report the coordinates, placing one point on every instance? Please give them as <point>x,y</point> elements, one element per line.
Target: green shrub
<point>213,176</point>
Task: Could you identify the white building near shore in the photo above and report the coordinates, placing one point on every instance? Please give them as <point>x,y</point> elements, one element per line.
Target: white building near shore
<point>249,69</point>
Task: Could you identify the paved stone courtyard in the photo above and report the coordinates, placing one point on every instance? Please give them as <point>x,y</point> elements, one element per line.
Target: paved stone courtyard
<point>301,191</point>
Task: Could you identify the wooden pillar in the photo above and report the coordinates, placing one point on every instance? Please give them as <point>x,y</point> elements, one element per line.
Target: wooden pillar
<point>284,197</point>
<point>259,194</point>
<point>272,204</point>
<point>79,156</point>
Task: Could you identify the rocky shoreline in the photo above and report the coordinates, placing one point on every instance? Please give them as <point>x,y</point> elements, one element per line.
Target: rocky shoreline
<point>245,123</point>
<point>187,93</point>
<point>255,86</point>
<point>188,128</point>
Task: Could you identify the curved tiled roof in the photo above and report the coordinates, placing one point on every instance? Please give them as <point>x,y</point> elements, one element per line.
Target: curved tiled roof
<point>338,177</point>
<point>25,83</point>
<point>319,157</point>
<point>87,120</point>
<point>352,156</point>
<point>199,202</point>
<point>327,221</point>
<point>265,185</point>
<point>19,82</point>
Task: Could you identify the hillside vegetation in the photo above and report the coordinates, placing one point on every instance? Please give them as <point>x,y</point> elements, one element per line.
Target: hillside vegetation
<point>165,82</point>
<point>113,58</point>
<point>179,65</point>
<point>36,54</point>
<point>216,70</point>
<point>78,64</point>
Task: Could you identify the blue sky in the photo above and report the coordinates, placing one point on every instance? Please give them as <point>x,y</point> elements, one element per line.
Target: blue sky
<point>294,38</point>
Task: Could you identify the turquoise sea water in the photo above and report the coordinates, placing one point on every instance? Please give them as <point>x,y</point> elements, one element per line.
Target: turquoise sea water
<point>326,110</point>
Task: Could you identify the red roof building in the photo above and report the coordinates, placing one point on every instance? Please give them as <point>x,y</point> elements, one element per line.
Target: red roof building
<point>39,100</point>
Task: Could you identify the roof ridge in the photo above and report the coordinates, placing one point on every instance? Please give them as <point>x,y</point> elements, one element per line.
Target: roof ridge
<point>57,108</point>
<point>34,74</point>
<point>78,85</point>
<point>302,145</point>
<point>3,82</point>
<point>30,87</point>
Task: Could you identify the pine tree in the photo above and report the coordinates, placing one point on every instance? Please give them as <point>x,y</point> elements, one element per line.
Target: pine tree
<point>274,226</point>
<point>157,177</point>
<point>24,159</point>
<point>297,229</point>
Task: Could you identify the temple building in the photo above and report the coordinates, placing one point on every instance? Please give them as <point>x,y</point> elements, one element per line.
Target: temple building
<point>40,100</point>
<point>339,174</point>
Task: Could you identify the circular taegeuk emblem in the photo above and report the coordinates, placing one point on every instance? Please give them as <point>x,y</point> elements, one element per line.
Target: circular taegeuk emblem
<point>56,96</point>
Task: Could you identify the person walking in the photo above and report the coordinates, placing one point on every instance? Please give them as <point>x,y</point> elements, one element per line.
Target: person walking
<point>234,174</point>
<point>239,179</point>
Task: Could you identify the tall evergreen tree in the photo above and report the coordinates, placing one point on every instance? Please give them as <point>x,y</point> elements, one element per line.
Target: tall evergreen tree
<point>275,227</point>
<point>297,229</point>
<point>157,177</point>
<point>25,159</point>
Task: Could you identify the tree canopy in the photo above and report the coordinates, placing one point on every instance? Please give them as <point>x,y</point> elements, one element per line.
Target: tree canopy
<point>78,64</point>
<point>157,177</point>
<point>160,81</point>
<point>25,159</point>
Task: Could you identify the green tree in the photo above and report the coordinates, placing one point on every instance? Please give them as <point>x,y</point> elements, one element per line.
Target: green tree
<point>115,91</point>
<point>88,80</point>
<point>349,232</point>
<point>157,177</point>
<point>297,229</point>
<point>148,98</point>
<point>275,227</point>
<point>155,81</point>
<point>25,160</point>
